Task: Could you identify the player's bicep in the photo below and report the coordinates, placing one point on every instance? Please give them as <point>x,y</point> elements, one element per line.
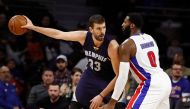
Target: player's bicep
<point>78,36</point>
<point>126,50</point>
<point>114,56</point>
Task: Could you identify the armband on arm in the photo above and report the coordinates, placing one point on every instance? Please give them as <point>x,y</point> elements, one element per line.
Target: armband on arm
<point>121,80</point>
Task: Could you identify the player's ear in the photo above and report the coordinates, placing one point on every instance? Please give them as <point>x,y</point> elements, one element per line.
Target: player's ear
<point>90,29</point>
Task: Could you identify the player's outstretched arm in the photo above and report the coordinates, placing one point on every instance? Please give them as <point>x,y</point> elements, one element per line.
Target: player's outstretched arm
<point>57,34</point>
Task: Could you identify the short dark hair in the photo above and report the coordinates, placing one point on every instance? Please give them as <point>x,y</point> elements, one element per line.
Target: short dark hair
<point>47,69</point>
<point>97,18</point>
<point>136,18</point>
<point>74,70</point>
<point>55,84</point>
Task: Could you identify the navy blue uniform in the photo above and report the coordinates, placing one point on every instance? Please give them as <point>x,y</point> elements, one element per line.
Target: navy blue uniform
<point>99,71</point>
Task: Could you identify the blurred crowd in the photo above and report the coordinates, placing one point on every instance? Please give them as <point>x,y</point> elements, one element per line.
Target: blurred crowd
<point>37,71</point>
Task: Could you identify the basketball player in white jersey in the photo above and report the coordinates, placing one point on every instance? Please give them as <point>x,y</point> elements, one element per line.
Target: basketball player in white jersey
<point>140,55</point>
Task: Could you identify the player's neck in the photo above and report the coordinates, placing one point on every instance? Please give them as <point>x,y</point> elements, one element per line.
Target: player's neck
<point>97,43</point>
<point>135,31</point>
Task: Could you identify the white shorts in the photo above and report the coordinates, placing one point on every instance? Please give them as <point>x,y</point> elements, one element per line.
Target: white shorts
<point>152,93</point>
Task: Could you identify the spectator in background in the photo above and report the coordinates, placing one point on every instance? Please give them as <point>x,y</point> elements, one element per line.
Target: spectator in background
<point>8,96</point>
<point>65,47</point>
<point>62,74</point>
<point>65,90</point>
<point>34,59</point>
<point>15,71</point>
<point>47,20</point>
<point>178,58</point>
<point>34,51</point>
<point>54,100</point>
<point>180,85</point>
<point>51,50</point>
<point>75,75</point>
<point>40,91</point>
<point>68,89</point>
<point>17,76</point>
<point>173,49</point>
<point>14,50</point>
<point>51,46</point>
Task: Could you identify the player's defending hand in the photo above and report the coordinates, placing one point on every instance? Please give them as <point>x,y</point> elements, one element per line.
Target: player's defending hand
<point>96,102</point>
<point>29,23</point>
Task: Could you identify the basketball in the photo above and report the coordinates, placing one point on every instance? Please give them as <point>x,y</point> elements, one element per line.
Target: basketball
<point>15,24</point>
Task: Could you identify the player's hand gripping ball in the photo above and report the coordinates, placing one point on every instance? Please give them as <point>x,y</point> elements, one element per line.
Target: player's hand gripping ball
<point>15,24</point>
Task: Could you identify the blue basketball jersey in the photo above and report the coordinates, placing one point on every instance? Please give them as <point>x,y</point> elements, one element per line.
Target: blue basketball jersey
<point>99,62</point>
<point>99,71</point>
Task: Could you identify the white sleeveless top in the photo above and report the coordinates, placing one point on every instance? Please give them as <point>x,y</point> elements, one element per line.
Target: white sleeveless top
<point>146,61</point>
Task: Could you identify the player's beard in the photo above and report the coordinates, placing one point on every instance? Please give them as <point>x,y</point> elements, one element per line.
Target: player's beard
<point>99,37</point>
<point>126,31</point>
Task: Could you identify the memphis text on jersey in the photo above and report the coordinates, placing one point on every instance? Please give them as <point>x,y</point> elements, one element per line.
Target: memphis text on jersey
<point>95,55</point>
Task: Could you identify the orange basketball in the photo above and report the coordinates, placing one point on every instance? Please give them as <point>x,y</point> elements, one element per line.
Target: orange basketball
<point>15,24</point>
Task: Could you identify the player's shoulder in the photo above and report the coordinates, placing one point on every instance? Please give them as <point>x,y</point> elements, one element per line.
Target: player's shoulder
<point>145,34</point>
<point>128,47</point>
<point>113,42</point>
<point>84,33</point>
<point>140,35</point>
<point>113,45</point>
<point>148,36</point>
<point>128,44</point>
<point>143,37</point>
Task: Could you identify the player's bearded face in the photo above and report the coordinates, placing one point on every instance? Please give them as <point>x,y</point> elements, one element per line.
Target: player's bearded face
<point>126,30</point>
<point>126,27</point>
<point>99,31</point>
<point>99,37</point>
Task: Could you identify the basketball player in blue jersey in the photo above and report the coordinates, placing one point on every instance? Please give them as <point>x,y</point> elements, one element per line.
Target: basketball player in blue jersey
<point>139,54</point>
<point>101,50</point>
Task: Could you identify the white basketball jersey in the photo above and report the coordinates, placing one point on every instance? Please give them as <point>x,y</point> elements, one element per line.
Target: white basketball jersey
<point>146,61</point>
